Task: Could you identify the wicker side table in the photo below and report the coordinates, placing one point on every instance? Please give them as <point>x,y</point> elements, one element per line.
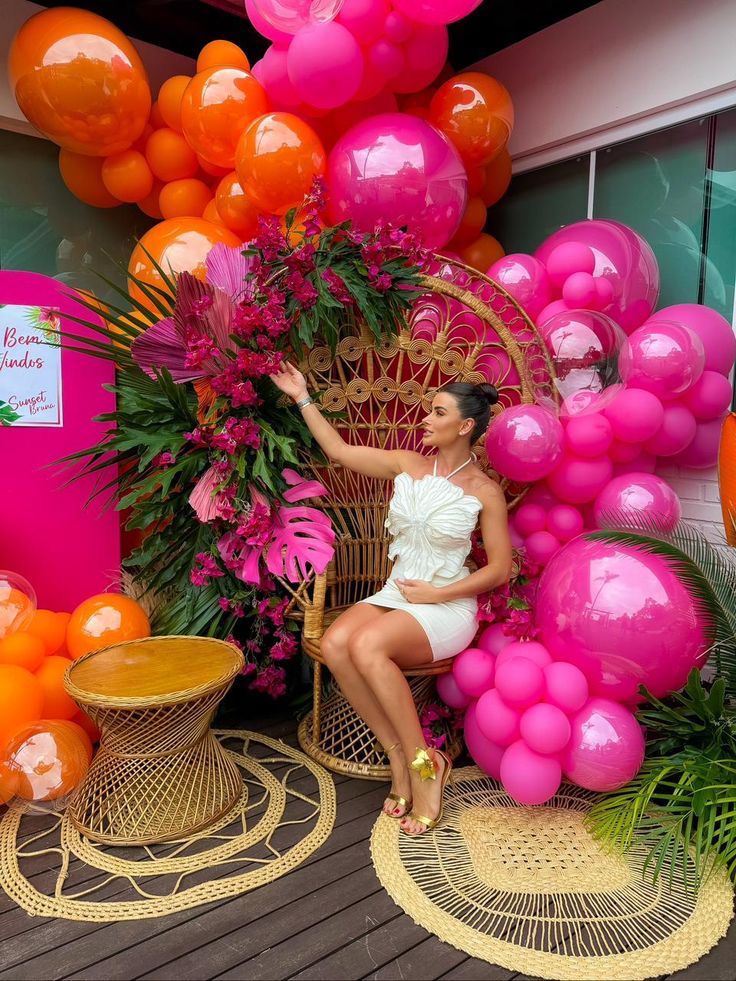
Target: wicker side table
<point>159,773</point>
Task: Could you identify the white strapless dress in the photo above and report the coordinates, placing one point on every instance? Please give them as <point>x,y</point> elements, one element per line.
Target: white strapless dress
<point>431,520</point>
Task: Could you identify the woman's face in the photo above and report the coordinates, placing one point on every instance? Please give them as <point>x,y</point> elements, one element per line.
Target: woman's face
<point>444,424</point>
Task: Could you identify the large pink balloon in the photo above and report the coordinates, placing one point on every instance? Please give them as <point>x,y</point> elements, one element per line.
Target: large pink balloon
<point>399,169</point>
<point>635,415</point>
<point>485,753</point>
<point>622,616</point>
<point>577,480</point>
<point>713,330</point>
<point>325,65</point>
<point>525,279</point>
<point>638,494</point>
<point>622,257</point>
<point>289,16</point>
<point>527,776</point>
<point>524,442</point>
<point>710,396</point>
<point>606,747</point>
<point>662,358</point>
<point>677,430</point>
<point>436,11</point>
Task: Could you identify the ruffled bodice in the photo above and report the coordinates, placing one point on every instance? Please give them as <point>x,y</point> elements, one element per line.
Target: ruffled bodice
<point>431,521</point>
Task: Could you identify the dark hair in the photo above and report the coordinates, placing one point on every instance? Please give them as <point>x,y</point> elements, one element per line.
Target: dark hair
<point>474,402</point>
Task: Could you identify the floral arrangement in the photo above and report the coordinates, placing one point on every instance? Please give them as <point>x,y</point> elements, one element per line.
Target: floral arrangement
<point>199,449</point>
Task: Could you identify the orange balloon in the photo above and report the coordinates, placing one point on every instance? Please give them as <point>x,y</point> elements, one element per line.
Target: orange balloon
<point>149,204</point>
<point>169,155</point>
<point>127,176</point>
<point>103,620</point>
<point>277,159</point>
<point>157,121</point>
<point>81,733</point>
<point>472,223</point>
<point>177,245</point>
<point>237,212</point>
<point>22,649</point>
<point>222,54</point>
<point>80,81</point>
<point>21,700</point>
<point>50,628</point>
<point>169,100</point>
<point>64,618</point>
<point>212,169</point>
<point>476,113</point>
<point>83,176</point>
<point>50,758</point>
<point>87,724</point>
<point>140,143</point>
<point>56,703</point>
<point>218,105</point>
<point>476,180</point>
<point>482,253</point>
<point>9,780</point>
<point>497,178</point>
<point>184,197</point>
<point>211,214</point>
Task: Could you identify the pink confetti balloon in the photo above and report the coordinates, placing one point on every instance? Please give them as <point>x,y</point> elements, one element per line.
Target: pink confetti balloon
<point>620,615</point>
<point>709,397</point>
<point>524,442</point>
<point>325,65</point>
<point>493,639</point>
<point>545,729</point>
<point>702,452</point>
<point>565,686</point>
<point>435,11</point>
<point>519,682</point>
<point>638,494</point>
<point>529,777</point>
<point>485,753</point>
<point>576,480</point>
<point>635,415</point>
<point>606,747</point>
<point>525,279</point>
<point>399,169</point>
<point>496,720</point>
<point>676,432</point>
<point>565,522</point>
<point>449,692</point>
<point>289,16</point>
<point>713,330</point>
<point>662,358</point>
<point>473,671</point>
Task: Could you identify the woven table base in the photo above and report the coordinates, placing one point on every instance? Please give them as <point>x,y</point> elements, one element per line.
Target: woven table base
<point>530,890</point>
<point>242,851</point>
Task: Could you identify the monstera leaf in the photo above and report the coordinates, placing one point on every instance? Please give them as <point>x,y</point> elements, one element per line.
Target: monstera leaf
<point>302,541</point>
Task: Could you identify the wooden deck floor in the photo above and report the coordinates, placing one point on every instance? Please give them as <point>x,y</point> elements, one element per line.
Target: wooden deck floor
<point>327,919</point>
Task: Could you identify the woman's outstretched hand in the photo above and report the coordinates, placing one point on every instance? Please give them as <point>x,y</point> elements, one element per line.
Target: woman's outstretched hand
<point>291,382</point>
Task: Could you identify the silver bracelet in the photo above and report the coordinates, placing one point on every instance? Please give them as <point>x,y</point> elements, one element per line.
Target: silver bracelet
<point>304,402</point>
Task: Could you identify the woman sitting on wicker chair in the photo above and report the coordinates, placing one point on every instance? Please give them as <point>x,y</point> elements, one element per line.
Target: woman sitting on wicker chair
<point>427,609</point>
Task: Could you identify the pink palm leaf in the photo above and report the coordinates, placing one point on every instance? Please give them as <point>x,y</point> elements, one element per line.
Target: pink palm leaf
<point>302,541</point>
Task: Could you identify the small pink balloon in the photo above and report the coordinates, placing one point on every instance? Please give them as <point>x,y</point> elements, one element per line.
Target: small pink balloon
<point>638,494</point>
<point>565,522</point>
<point>436,11</point>
<point>545,728</point>
<point>624,452</point>
<point>576,480</point>
<point>496,720</point>
<point>449,692</point>
<point>386,58</point>
<point>325,64</point>
<point>709,397</point>
<point>397,27</point>
<point>520,682</point>
<point>525,279</point>
<point>703,450</point>
<point>485,753</point>
<point>567,259</point>
<point>529,517</point>
<point>493,639</point>
<point>606,747</point>
<point>604,290</point>
<point>274,77</point>
<point>426,54</point>
<point>364,18</point>
<point>565,686</point>
<point>551,310</point>
<point>662,358</point>
<point>589,435</point>
<point>713,330</point>
<point>635,415</point>
<point>529,777</point>
<point>524,442</point>
<point>676,432</point>
<point>541,546</point>
<point>579,290</point>
<point>473,671</point>
<point>530,649</point>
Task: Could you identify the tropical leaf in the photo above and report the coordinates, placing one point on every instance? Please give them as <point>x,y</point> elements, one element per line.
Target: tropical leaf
<point>302,543</point>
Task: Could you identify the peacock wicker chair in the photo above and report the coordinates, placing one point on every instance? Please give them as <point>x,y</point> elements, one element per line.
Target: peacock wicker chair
<point>464,328</point>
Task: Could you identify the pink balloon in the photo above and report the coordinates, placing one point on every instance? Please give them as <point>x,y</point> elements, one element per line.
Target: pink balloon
<point>606,747</point>
<point>398,168</point>
<point>524,442</point>
<point>473,671</point>
<point>496,720</point>
<point>397,27</point>
<point>485,753</point>
<point>525,279</point>
<point>364,18</point>
<point>532,650</point>
<point>527,776</point>
<point>263,26</point>
<point>325,65</point>
<point>493,639</point>
<point>289,16</point>
<point>529,517</point>
<point>662,358</point>
<point>579,290</point>
<point>713,330</point>
<point>426,54</point>
<point>622,616</point>
<point>576,480</point>
<point>621,256</point>
<point>709,397</point>
<point>541,546</point>
<point>635,415</point>
<point>637,494</point>
<point>624,452</point>
<point>385,58</point>
<point>589,435</point>
<point>551,310</point>
<point>520,682</point>
<point>449,692</point>
<point>702,452</point>
<point>565,522</point>
<point>565,686</point>
<point>545,729</point>
<point>676,432</point>
<point>274,77</point>
<point>436,11</point>
<point>568,258</point>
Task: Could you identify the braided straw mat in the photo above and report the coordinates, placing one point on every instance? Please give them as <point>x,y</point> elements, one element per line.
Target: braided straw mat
<point>287,810</point>
<point>530,890</point>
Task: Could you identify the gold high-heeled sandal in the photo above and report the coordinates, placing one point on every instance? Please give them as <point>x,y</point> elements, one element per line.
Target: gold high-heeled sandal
<point>397,798</point>
<point>426,767</point>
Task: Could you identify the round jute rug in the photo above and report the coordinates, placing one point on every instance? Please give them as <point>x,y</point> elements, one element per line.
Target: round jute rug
<point>286,811</point>
<point>529,889</point>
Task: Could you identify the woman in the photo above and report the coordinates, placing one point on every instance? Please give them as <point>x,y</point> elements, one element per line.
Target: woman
<point>427,609</point>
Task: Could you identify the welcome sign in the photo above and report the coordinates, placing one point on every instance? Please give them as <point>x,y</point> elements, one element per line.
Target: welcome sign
<point>30,366</point>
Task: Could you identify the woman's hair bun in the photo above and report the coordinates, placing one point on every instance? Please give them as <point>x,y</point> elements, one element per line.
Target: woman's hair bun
<point>488,392</point>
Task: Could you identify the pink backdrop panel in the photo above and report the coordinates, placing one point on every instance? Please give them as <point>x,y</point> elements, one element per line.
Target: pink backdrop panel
<point>67,548</point>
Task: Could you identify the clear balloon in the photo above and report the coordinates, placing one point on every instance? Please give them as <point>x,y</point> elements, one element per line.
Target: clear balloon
<point>436,11</point>
<point>50,759</point>
<point>636,495</point>
<point>606,747</point>
<point>397,168</point>
<point>289,16</point>
<point>17,602</point>
<point>663,358</point>
<point>524,442</point>
<point>263,26</point>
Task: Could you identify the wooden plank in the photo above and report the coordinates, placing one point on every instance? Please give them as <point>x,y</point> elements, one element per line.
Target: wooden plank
<point>368,952</point>
<point>428,959</point>
<point>473,969</point>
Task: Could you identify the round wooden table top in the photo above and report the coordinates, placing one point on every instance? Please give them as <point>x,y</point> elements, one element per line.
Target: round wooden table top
<point>165,668</point>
